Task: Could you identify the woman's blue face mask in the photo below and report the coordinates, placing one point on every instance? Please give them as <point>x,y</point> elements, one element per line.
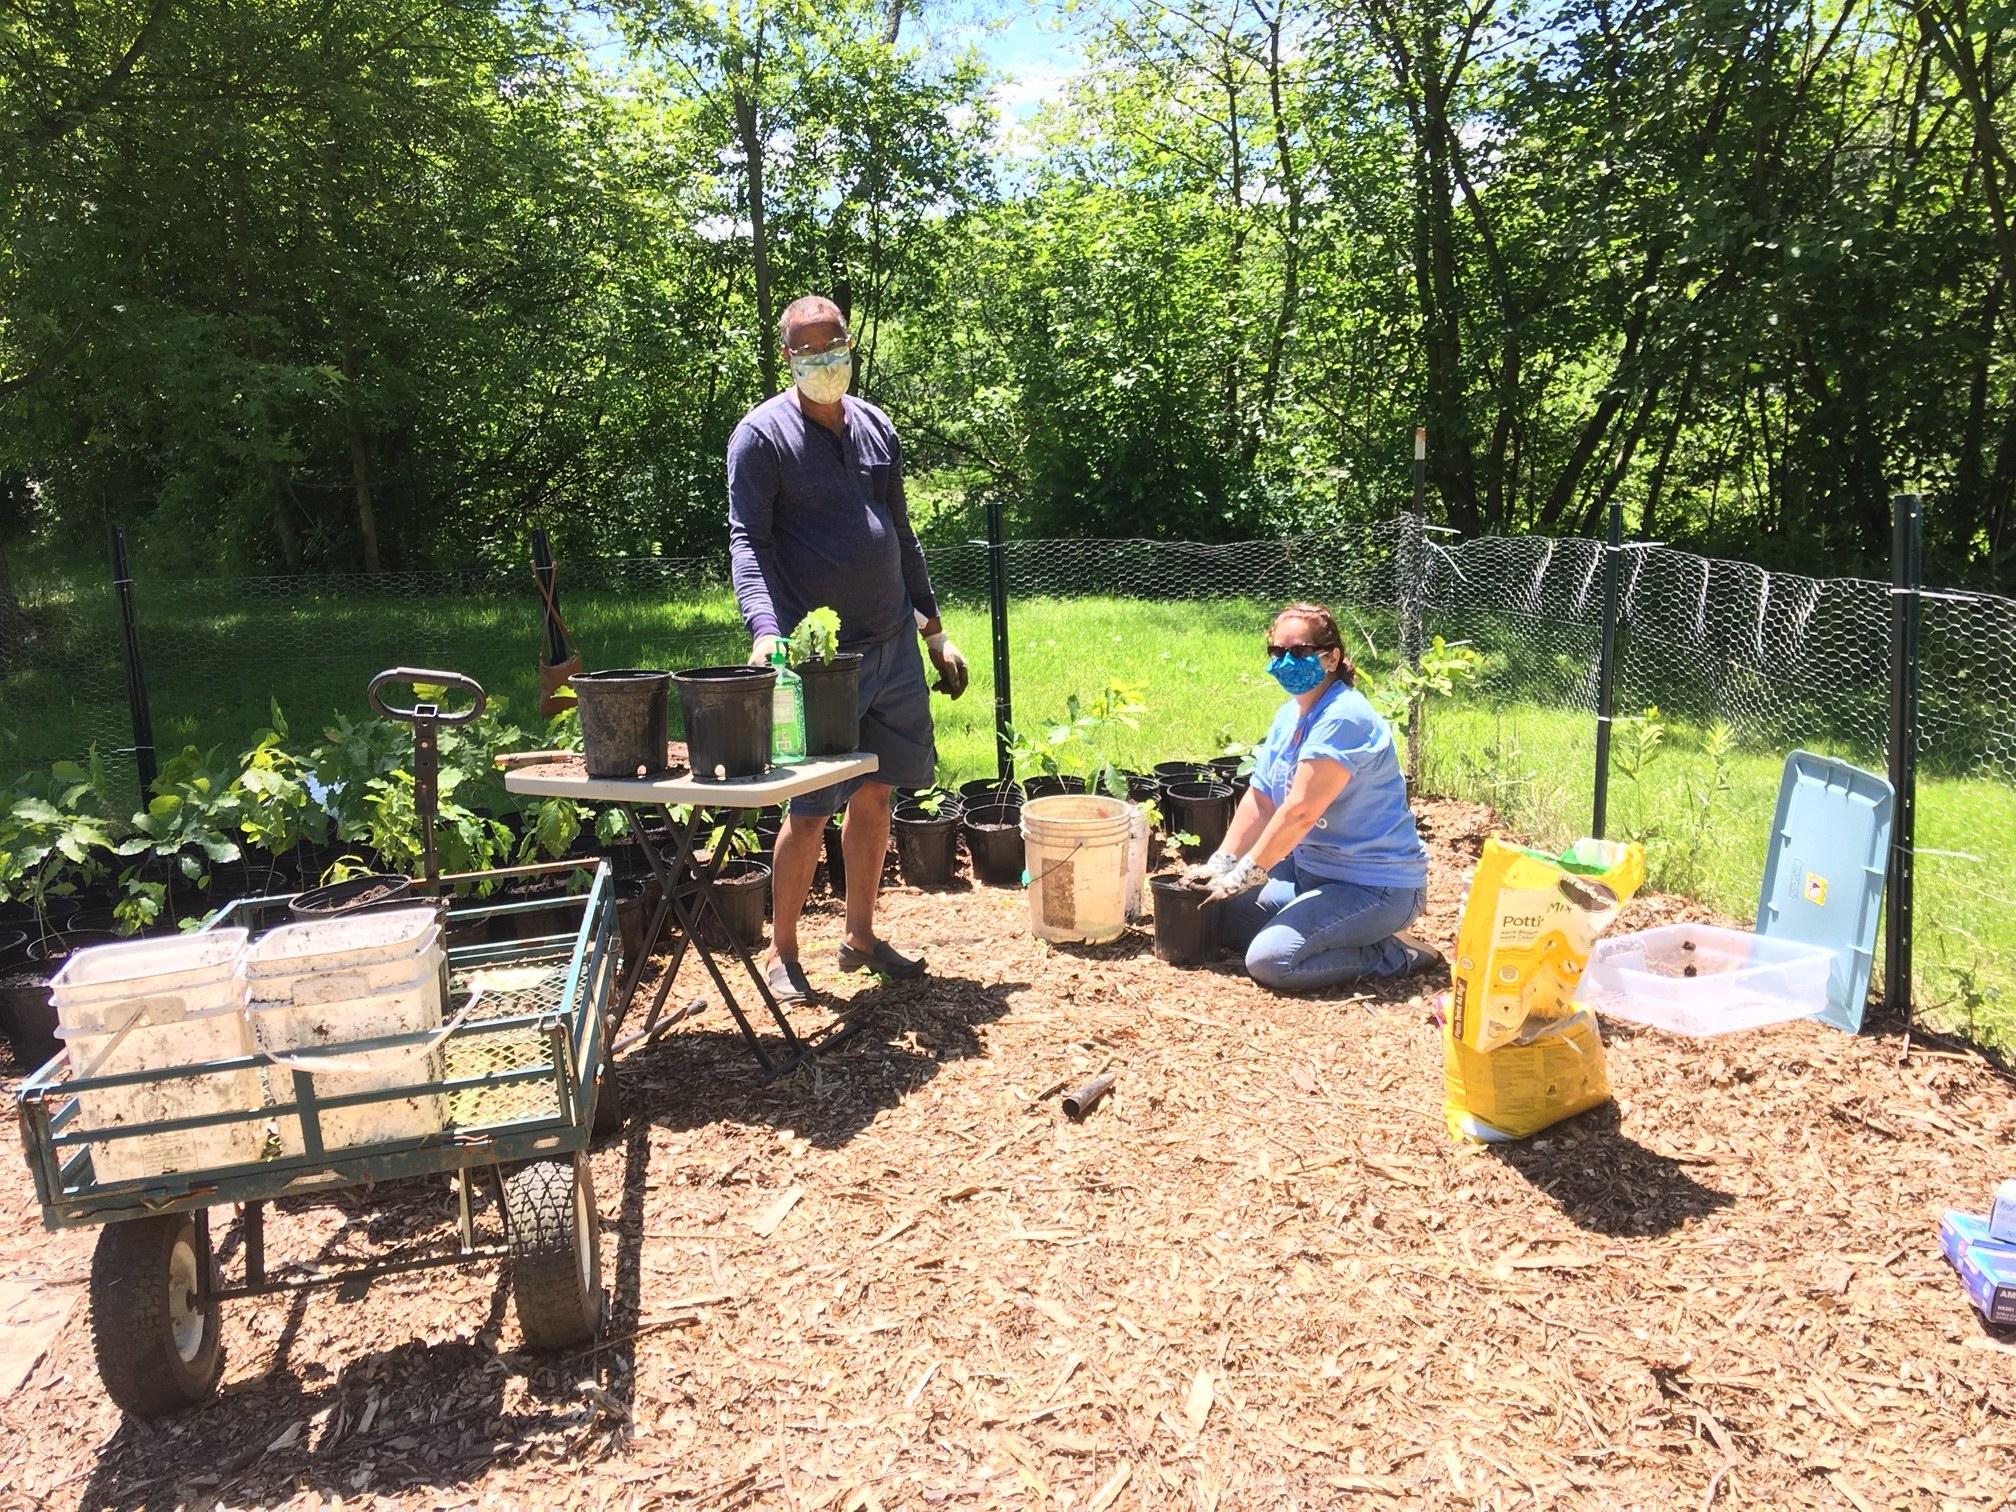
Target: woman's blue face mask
<point>1296,674</point>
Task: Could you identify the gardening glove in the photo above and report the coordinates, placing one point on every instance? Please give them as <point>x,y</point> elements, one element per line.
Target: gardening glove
<point>759,653</point>
<point>1245,875</point>
<point>952,674</point>
<point>1207,872</point>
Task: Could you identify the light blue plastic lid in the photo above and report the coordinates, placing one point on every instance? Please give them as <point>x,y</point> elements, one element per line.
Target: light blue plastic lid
<point>1824,871</point>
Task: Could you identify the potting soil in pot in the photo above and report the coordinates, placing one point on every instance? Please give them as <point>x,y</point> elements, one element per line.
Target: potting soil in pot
<point>994,840</point>
<point>740,893</point>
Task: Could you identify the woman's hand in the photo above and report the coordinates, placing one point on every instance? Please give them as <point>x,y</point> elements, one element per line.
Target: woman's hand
<point>1245,875</point>
<point>1206,872</point>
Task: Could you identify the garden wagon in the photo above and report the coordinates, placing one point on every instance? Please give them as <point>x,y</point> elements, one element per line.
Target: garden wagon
<point>516,1072</point>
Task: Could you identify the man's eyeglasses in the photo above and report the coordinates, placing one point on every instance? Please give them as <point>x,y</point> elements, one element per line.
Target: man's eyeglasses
<point>1300,648</point>
<point>838,345</point>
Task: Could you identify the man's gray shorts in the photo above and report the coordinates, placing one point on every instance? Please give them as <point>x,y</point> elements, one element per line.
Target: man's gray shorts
<point>894,708</point>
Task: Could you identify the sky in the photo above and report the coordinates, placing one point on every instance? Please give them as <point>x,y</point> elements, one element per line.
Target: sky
<point>1027,42</point>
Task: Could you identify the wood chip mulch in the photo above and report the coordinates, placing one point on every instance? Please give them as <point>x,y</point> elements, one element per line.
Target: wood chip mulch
<point>1257,1275</point>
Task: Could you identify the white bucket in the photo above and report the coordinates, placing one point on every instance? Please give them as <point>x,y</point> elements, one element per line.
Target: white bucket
<point>1137,864</point>
<point>153,1005</point>
<point>295,1024</point>
<point>1076,853</point>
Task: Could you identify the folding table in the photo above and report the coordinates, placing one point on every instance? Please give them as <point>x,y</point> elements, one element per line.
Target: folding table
<point>686,883</point>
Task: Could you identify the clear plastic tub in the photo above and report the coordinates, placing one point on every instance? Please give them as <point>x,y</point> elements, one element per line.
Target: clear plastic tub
<point>1701,979</point>
<point>301,1031</point>
<point>153,1005</point>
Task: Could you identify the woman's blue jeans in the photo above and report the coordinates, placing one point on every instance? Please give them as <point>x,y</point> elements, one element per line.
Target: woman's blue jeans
<point>1301,933</point>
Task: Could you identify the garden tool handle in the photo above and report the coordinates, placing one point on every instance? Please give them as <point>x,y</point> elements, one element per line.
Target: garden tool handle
<point>454,681</point>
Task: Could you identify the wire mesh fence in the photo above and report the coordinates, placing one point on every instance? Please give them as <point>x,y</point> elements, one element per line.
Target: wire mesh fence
<point>1720,669</point>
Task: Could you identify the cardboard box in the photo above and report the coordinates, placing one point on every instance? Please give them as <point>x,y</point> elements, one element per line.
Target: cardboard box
<point>1987,1268</point>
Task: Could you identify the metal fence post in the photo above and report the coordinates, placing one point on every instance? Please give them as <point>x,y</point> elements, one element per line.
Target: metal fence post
<point>1606,668</point>
<point>1906,578</point>
<point>1412,568</point>
<point>144,760</point>
<point>997,597</point>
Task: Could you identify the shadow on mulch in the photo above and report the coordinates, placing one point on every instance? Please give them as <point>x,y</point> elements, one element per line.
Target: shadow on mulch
<point>1606,1182</point>
<point>456,1387</point>
<point>695,1077</point>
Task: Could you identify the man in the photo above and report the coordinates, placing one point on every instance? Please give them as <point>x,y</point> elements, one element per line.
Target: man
<point>816,517</point>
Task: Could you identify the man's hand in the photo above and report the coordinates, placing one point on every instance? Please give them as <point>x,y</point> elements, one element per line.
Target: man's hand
<point>759,653</point>
<point>1244,876</point>
<point>952,673</point>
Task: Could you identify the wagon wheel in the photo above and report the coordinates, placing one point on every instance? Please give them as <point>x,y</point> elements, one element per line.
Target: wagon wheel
<point>154,1320</point>
<point>556,1252</point>
<point>608,1099</point>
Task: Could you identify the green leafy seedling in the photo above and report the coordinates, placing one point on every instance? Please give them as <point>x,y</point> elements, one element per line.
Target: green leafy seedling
<point>817,637</point>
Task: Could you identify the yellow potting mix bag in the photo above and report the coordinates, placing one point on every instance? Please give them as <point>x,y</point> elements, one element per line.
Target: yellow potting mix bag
<point>1517,1055</point>
<point>1528,926</point>
<point>1511,1093</point>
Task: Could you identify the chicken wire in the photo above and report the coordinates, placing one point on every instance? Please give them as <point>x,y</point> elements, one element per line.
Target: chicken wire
<point>1765,661</point>
<point>62,679</point>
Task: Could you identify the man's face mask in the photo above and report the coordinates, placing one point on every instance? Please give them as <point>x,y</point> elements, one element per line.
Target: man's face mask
<point>1296,674</point>
<point>823,377</point>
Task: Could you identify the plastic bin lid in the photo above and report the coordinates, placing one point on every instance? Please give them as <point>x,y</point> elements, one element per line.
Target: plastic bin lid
<point>143,960</point>
<point>389,933</point>
<point>1824,871</point>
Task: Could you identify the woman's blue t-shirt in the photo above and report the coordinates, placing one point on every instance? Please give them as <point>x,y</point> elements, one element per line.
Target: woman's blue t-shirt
<point>1367,834</point>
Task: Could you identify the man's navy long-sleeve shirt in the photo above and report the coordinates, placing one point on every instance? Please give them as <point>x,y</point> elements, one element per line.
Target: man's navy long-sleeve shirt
<point>817,519</point>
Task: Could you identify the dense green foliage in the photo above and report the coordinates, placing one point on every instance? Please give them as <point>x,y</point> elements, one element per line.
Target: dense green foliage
<point>336,284</point>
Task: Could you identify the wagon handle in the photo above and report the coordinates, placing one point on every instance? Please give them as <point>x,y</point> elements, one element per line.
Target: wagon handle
<point>446,680</point>
<point>426,719</point>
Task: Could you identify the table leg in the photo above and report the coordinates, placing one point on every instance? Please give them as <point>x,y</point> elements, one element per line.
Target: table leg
<point>672,874</point>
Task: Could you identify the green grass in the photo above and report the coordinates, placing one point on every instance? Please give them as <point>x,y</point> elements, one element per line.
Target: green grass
<point>215,659</point>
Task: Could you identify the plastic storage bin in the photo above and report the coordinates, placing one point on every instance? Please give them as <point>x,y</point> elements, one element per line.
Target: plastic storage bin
<point>316,986</point>
<point>150,1006</point>
<point>1700,979</point>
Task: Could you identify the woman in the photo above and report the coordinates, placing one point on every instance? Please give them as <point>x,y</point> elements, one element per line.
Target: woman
<point>1322,867</point>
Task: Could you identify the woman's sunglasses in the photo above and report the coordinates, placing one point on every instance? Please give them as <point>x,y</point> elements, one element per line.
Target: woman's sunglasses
<point>1300,648</point>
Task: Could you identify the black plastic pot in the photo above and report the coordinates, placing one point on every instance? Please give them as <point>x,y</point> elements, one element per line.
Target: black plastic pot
<point>1052,787</point>
<point>358,895</point>
<point>1142,787</point>
<point>990,790</point>
<point>927,845</point>
<point>636,899</point>
<point>1167,773</point>
<point>1226,768</point>
<point>836,860</point>
<point>742,891</point>
<point>13,947</point>
<point>25,1006</point>
<point>994,840</point>
<point>1186,932</point>
<point>1201,808</point>
<point>623,714</point>
<point>726,713</point>
<point>832,715</point>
